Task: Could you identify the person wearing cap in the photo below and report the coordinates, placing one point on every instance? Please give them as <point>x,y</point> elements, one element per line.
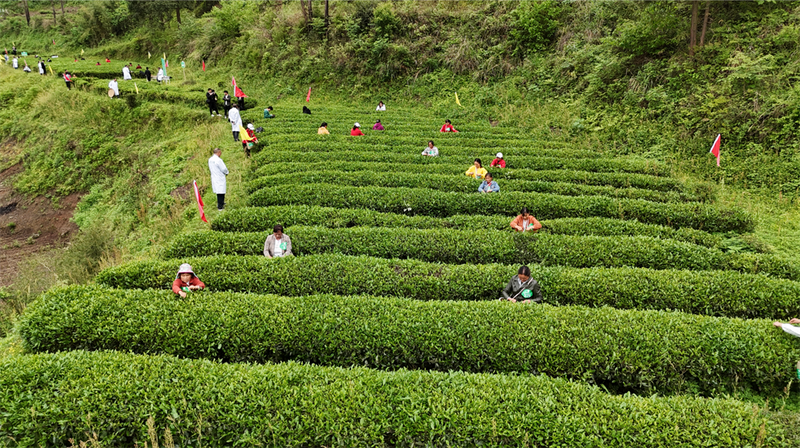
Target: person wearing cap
<point>498,161</point>
<point>186,281</point>
<point>323,129</point>
<point>489,185</point>
<point>476,170</point>
<point>522,288</point>
<point>218,181</point>
<point>378,126</point>
<point>278,244</point>
<point>356,130</point>
<point>251,139</point>
<point>430,150</point>
<point>525,222</point>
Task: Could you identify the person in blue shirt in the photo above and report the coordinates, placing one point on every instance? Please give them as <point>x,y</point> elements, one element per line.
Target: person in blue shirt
<point>489,185</point>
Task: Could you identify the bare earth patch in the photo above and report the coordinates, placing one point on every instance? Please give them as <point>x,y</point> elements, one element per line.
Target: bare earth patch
<point>28,226</point>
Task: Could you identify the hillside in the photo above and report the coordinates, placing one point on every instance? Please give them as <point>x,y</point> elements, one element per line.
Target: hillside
<point>661,273</point>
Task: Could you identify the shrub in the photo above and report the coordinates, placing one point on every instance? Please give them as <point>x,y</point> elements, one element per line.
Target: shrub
<point>201,402</point>
<point>482,246</point>
<point>421,201</point>
<point>458,184</point>
<point>622,349</point>
<point>714,293</point>
<point>257,219</point>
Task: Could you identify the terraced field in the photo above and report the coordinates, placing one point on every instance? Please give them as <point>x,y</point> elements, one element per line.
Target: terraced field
<point>384,329</point>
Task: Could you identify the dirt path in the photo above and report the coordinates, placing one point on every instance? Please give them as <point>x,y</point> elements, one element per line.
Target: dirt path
<point>28,226</point>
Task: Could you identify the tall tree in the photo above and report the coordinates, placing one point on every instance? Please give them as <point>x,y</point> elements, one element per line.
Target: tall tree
<point>705,24</point>
<point>327,17</point>
<point>693,29</point>
<point>62,8</point>
<point>310,13</point>
<point>53,4</point>
<point>178,12</point>
<point>27,11</point>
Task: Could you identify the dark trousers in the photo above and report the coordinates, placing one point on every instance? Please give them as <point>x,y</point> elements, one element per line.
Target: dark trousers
<point>236,136</point>
<point>220,201</point>
<point>212,107</point>
<point>227,109</point>
<point>69,85</point>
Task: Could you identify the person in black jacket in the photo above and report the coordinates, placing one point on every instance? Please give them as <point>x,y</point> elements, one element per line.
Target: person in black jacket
<point>522,288</point>
<point>226,102</point>
<point>211,100</point>
<point>147,74</point>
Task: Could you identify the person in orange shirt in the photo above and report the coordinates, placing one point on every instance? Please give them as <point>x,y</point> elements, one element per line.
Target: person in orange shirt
<point>186,281</point>
<point>525,222</point>
<point>356,130</point>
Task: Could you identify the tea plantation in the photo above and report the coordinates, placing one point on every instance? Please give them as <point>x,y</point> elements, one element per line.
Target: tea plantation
<point>384,328</point>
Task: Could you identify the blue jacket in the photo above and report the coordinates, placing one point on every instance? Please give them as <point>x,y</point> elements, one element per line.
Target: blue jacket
<point>485,188</point>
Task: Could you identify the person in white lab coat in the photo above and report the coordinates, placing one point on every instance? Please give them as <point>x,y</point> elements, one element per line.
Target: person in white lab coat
<point>113,85</point>
<point>236,121</point>
<point>126,72</point>
<point>41,67</point>
<point>15,63</point>
<point>160,75</point>
<point>218,173</point>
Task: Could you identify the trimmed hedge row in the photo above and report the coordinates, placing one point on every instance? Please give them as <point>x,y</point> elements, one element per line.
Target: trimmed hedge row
<point>413,160</point>
<point>422,201</point>
<point>621,349</point>
<point>714,293</point>
<point>482,246</point>
<point>457,184</point>
<point>255,219</point>
<point>48,399</point>
<point>498,142</point>
<point>617,180</point>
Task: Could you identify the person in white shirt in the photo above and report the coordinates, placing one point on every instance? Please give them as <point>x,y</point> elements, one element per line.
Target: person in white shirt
<point>114,86</point>
<point>278,244</point>
<point>236,121</point>
<point>381,107</point>
<point>431,150</point>
<point>26,69</point>
<point>160,75</point>
<point>41,67</point>
<point>218,173</point>
<point>126,72</point>
<point>791,329</point>
<point>15,62</point>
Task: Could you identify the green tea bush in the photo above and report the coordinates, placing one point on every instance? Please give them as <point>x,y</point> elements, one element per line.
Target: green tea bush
<point>255,219</point>
<point>458,184</point>
<point>616,180</point>
<point>422,201</point>
<point>412,160</point>
<point>49,399</point>
<point>484,246</point>
<point>714,293</point>
<point>621,349</point>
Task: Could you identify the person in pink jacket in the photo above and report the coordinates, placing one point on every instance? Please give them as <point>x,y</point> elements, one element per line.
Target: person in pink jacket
<point>378,126</point>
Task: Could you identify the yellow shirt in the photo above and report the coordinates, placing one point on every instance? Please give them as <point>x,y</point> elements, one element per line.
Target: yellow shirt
<point>477,173</point>
<point>323,131</point>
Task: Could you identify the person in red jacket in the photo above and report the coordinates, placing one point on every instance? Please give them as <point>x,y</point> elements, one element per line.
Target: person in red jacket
<point>447,127</point>
<point>186,281</point>
<point>250,140</point>
<point>498,161</point>
<point>356,130</point>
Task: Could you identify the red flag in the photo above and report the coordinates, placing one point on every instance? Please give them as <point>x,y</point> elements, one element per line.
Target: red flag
<point>233,81</point>
<point>54,41</point>
<point>166,63</point>
<point>308,97</point>
<point>715,147</point>
<point>204,65</point>
<point>237,92</point>
<point>200,204</point>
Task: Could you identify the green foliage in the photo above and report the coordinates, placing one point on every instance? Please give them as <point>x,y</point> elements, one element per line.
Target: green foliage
<point>202,402</point>
<point>715,293</point>
<point>486,246</point>
<point>421,201</point>
<point>622,350</point>
<point>535,25</point>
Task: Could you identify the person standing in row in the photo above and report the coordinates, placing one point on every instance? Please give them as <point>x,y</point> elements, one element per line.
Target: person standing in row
<point>218,180</point>
<point>15,63</point>
<point>126,72</point>
<point>147,74</point>
<point>211,100</point>
<point>226,102</point>
<point>41,67</point>
<point>236,121</point>
<point>113,85</point>
<point>68,79</point>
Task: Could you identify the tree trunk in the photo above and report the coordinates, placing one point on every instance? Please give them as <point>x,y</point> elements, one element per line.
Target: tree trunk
<point>327,21</point>
<point>53,4</point>
<point>27,11</point>
<point>62,8</point>
<point>310,12</point>
<point>693,30</point>
<point>178,13</point>
<point>303,8</point>
<point>705,24</point>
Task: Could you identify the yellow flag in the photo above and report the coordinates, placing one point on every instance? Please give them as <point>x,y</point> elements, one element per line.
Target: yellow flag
<point>165,56</point>
<point>457,101</point>
<point>148,55</point>
<point>137,88</point>
<point>81,51</point>
<point>243,133</point>
<point>51,69</point>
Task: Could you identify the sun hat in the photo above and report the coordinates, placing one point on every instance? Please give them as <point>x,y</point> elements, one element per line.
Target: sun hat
<point>251,127</point>
<point>499,155</point>
<point>357,125</point>
<point>185,268</point>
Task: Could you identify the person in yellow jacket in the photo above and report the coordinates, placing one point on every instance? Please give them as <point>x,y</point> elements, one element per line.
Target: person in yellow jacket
<point>323,129</point>
<point>476,170</point>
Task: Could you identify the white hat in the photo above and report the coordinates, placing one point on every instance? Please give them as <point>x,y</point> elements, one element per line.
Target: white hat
<point>499,155</point>
<point>185,268</point>
<point>357,125</point>
<point>251,127</point>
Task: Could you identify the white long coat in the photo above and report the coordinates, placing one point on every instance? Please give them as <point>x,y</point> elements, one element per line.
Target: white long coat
<point>126,73</point>
<point>235,118</point>
<point>113,85</point>
<point>218,173</point>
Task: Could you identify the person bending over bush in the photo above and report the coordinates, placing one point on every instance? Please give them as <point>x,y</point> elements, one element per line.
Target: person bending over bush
<point>476,170</point>
<point>522,288</point>
<point>278,244</point>
<point>525,222</point>
<point>489,185</point>
<point>186,281</point>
